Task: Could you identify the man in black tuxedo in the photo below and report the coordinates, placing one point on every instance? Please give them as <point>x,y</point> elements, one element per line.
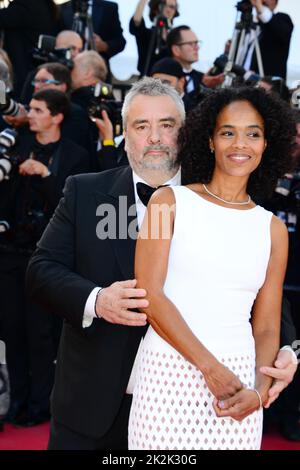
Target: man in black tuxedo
<point>108,33</point>
<point>83,269</point>
<point>274,39</point>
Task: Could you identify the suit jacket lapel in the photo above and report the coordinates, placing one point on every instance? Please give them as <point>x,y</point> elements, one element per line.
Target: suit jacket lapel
<point>121,195</point>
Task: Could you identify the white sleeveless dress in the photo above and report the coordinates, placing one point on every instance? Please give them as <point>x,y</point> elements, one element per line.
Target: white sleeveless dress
<point>217,264</point>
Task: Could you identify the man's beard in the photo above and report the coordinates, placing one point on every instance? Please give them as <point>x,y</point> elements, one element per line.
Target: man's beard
<point>164,163</point>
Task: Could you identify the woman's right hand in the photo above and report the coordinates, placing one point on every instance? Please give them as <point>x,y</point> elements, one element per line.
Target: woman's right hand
<point>221,381</point>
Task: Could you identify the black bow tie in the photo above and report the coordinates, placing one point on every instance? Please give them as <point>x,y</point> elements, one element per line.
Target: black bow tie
<point>145,192</point>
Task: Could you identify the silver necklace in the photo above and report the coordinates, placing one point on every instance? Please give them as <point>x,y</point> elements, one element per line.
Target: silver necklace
<point>224,200</point>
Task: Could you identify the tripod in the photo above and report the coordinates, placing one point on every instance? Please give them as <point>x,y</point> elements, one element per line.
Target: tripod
<point>240,44</point>
<point>82,23</point>
<point>160,24</point>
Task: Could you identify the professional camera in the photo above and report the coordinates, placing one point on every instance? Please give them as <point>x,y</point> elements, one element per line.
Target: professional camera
<point>244,6</point>
<point>8,159</point>
<point>237,72</point>
<point>8,107</point>
<point>102,99</point>
<point>46,52</point>
<point>296,95</point>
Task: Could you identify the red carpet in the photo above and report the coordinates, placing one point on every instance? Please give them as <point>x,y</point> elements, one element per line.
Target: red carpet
<point>36,438</point>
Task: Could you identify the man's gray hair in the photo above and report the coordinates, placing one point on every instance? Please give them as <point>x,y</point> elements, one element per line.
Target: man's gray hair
<point>93,60</point>
<point>151,87</point>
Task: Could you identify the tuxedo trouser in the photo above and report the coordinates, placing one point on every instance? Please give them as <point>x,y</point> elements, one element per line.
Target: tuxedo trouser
<point>116,438</point>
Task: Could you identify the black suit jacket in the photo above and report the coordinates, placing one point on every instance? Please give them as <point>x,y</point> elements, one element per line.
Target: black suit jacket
<point>68,159</point>
<point>94,363</point>
<point>144,41</point>
<point>106,24</point>
<point>275,45</point>
<point>22,22</point>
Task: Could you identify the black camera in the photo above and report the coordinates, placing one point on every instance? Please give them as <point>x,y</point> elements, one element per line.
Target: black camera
<point>8,158</point>
<point>244,6</point>
<point>102,99</point>
<point>46,52</point>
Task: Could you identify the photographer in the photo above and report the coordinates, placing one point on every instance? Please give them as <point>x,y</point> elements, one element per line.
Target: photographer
<point>76,125</point>
<point>68,39</point>
<point>166,11</point>
<point>22,22</point>
<point>274,39</point>
<point>50,49</point>
<point>285,203</point>
<point>8,106</point>
<point>183,45</point>
<point>27,201</point>
<point>108,33</point>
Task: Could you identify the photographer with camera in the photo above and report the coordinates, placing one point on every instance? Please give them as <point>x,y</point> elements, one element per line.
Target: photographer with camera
<point>106,27</point>
<point>75,126</point>
<point>43,160</point>
<point>274,39</point>
<point>22,22</point>
<point>285,203</point>
<point>151,42</point>
<point>89,69</point>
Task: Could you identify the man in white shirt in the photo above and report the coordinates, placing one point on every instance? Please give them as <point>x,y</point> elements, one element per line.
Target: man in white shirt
<point>83,270</point>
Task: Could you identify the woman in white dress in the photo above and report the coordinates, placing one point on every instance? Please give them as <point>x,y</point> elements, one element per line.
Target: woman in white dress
<point>213,266</point>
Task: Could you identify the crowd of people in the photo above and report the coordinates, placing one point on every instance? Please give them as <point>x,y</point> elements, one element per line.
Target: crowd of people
<point>153,330</point>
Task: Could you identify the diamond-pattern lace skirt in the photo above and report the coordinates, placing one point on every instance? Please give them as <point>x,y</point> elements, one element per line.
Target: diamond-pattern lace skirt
<point>172,406</point>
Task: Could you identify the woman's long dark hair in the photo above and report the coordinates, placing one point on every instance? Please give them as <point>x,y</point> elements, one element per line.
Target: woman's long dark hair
<point>195,157</point>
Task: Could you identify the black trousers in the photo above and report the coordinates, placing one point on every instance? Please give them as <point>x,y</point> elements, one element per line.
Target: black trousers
<point>63,438</point>
<point>30,335</point>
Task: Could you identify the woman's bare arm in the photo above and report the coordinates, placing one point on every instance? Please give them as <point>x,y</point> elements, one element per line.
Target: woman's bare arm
<point>267,307</point>
<point>138,14</point>
<point>151,264</point>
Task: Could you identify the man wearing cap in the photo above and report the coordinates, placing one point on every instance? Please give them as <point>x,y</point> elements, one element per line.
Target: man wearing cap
<point>170,71</point>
